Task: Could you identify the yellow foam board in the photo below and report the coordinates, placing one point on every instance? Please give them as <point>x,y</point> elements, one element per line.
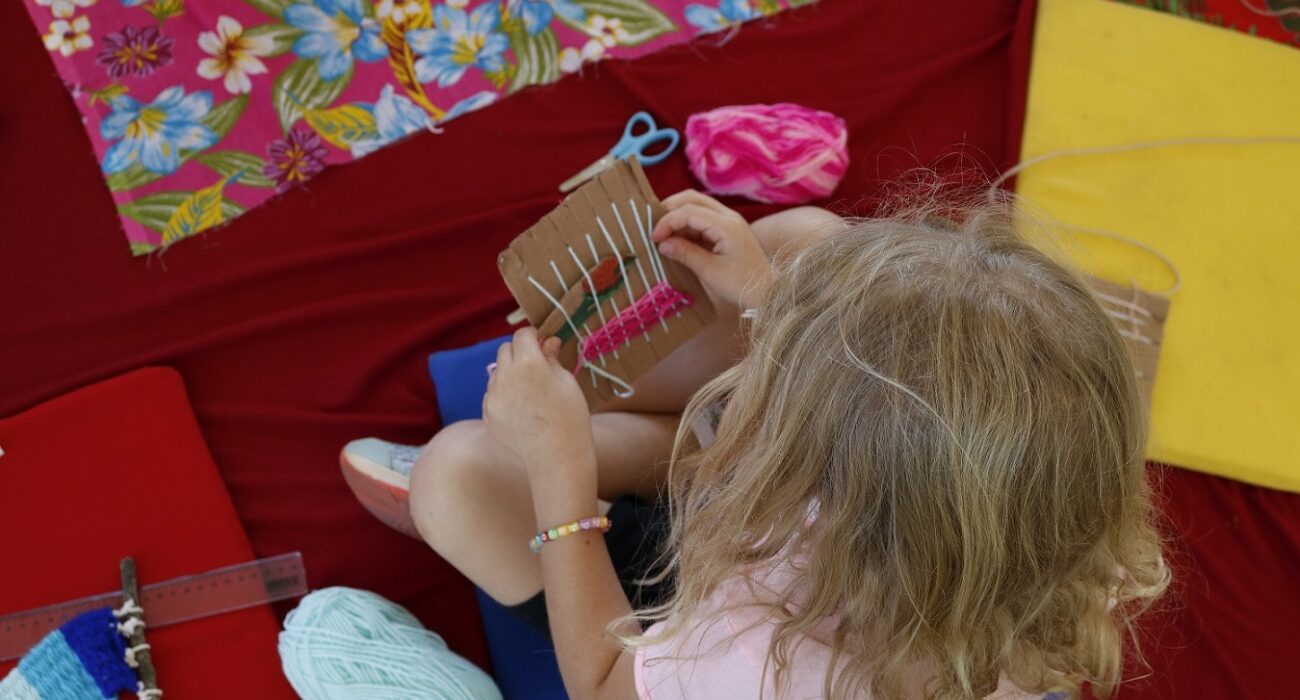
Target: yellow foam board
<point>1227,394</point>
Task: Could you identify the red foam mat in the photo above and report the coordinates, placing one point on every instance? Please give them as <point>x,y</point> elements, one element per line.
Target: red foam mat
<point>119,469</point>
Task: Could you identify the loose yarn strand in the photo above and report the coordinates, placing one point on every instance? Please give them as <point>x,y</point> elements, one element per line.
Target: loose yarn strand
<point>1155,252</point>
<point>1139,146</point>
<point>1128,148</point>
<point>622,389</point>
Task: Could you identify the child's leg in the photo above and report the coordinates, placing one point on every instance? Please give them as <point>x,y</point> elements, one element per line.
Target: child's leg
<point>471,501</point>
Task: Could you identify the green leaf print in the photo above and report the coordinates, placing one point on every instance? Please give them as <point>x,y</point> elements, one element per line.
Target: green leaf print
<point>227,163</point>
<point>300,86</point>
<point>642,20</point>
<point>155,210</point>
<point>537,58</point>
<point>282,36</point>
<point>274,8</point>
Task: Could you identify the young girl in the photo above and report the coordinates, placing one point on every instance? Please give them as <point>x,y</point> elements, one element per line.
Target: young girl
<point>926,478</point>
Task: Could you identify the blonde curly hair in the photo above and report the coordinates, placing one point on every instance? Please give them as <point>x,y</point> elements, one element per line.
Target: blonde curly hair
<point>964,420</point>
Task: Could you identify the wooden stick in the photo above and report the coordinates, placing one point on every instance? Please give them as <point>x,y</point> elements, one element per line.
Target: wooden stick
<point>516,317</point>
<point>131,592</point>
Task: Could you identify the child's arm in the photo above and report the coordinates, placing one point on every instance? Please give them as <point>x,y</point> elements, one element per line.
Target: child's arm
<point>717,244</point>
<point>535,408</point>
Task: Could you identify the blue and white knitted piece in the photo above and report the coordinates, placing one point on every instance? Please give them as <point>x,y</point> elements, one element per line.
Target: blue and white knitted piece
<point>85,659</point>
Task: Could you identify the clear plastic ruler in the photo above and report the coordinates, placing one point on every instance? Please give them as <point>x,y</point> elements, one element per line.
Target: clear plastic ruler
<point>169,602</point>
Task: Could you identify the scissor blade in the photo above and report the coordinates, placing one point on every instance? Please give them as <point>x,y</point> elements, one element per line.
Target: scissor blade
<point>586,174</point>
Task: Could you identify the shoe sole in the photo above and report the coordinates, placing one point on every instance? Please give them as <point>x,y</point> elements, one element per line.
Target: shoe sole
<point>388,502</point>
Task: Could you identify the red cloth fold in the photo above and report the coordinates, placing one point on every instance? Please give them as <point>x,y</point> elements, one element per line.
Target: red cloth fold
<point>119,469</point>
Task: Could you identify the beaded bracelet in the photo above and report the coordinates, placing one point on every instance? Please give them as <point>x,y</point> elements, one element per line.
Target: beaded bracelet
<point>599,522</point>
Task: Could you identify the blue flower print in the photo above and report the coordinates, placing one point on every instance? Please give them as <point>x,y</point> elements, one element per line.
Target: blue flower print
<point>395,117</point>
<point>469,104</point>
<point>154,134</point>
<point>334,31</point>
<point>458,41</point>
<point>537,14</point>
<point>727,14</point>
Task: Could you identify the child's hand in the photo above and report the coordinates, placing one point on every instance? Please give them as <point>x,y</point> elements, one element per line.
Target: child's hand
<point>534,407</point>
<point>717,244</point>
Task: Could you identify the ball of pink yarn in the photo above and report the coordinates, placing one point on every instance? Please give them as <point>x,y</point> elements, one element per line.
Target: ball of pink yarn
<point>783,153</point>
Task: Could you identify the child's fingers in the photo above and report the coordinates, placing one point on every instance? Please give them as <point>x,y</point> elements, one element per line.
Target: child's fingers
<point>503,356</point>
<point>694,222</point>
<point>688,253</point>
<point>525,344</point>
<point>551,349</point>
<point>697,198</point>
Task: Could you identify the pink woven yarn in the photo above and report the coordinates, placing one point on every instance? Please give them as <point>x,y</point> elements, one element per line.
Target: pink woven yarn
<point>656,304</point>
<point>782,153</point>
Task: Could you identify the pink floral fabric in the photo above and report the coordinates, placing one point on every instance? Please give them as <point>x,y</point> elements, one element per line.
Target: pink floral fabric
<point>199,110</point>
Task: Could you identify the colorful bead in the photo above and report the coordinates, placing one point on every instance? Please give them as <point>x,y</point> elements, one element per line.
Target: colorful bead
<point>601,523</point>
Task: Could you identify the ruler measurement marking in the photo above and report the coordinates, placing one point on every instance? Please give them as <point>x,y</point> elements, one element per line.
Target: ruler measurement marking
<point>178,600</point>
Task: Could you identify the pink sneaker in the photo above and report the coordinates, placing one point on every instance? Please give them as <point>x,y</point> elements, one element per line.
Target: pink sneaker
<point>379,474</point>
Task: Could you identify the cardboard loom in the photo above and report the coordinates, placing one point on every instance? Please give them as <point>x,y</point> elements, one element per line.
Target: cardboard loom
<point>1140,317</point>
<point>588,273</point>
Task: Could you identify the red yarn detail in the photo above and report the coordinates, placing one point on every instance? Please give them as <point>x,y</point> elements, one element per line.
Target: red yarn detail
<point>653,306</point>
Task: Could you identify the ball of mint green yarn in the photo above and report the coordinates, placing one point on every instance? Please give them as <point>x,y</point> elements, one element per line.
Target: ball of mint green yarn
<point>346,644</point>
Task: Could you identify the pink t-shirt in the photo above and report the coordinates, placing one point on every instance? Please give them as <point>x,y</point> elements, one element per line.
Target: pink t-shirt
<point>723,653</point>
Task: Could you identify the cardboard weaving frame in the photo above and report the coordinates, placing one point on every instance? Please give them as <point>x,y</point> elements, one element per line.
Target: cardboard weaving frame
<point>543,250</point>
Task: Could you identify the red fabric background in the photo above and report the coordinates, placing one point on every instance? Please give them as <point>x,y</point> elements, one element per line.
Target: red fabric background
<point>306,322</point>
<point>120,469</point>
<point>1230,628</point>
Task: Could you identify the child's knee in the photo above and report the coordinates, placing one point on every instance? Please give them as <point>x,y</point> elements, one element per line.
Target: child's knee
<point>444,463</point>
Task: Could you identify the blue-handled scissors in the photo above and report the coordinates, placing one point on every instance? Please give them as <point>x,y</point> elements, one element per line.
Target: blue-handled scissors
<point>632,144</point>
